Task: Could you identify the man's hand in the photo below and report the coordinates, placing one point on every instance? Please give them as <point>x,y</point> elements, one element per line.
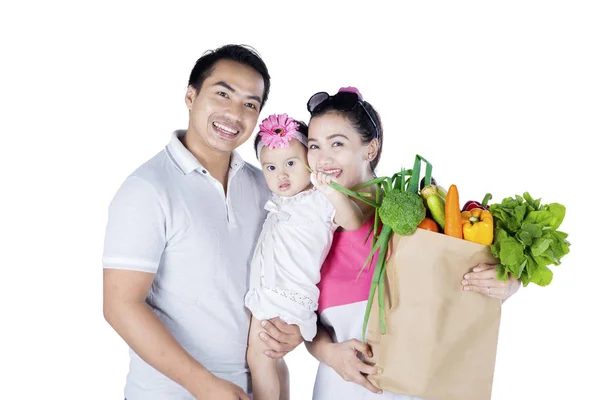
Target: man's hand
<point>280,337</point>
<point>222,390</point>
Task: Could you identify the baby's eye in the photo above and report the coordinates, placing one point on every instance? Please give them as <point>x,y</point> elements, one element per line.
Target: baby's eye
<point>270,168</point>
<point>290,163</point>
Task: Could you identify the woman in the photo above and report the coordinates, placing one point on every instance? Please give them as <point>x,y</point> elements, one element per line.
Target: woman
<point>345,139</point>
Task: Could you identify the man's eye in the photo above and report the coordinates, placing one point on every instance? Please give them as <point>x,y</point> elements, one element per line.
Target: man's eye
<point>223,94</point>
<point>250,105</point>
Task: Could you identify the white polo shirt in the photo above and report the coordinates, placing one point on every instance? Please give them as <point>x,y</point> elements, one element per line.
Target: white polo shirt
<point>172,218</point>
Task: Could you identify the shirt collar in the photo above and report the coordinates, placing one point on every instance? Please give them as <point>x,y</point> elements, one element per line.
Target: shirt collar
<point>185,161</point>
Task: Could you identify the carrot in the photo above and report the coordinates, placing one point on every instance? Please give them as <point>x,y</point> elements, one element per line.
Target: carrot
<point>453,223</point>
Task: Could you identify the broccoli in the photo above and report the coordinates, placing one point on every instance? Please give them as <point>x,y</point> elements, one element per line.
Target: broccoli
<point>402,211</point>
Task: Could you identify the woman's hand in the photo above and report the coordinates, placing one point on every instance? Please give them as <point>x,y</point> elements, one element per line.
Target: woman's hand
<point>343,358</point>
<point>483,280</point>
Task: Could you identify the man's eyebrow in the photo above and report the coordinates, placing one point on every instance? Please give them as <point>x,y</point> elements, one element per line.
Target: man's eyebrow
<point>330,137</point>
<point>228,87</point>
<point>225,85</point>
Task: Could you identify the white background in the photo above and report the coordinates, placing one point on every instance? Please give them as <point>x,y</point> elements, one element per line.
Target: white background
<point>499,96</point>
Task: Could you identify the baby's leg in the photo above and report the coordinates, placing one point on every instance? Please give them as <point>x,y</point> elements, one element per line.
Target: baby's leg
<point>263,369</point>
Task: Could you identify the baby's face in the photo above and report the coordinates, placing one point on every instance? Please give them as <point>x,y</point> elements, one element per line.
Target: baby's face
<point>284,169</point>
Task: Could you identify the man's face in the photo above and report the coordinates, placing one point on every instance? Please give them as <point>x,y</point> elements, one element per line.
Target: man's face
<point>224,112</point>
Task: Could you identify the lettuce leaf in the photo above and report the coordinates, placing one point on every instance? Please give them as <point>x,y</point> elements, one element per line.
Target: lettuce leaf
<point>526,239</point>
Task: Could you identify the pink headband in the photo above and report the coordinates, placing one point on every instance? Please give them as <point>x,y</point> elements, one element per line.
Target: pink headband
<point>277,130</point>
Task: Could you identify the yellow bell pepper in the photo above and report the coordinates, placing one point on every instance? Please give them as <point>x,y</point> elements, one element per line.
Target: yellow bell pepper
<point>478,226</point>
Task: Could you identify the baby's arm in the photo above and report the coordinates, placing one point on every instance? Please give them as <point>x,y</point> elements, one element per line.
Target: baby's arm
<point>347,213</point>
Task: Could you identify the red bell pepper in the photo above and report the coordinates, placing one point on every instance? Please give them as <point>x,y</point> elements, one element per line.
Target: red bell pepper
<point>471,204</point>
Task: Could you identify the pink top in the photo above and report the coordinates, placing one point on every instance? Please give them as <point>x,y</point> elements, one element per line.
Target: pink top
<point>339,284</point>
<point>342,307</point>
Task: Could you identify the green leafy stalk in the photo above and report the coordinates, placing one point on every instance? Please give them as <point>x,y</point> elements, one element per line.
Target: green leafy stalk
<point>381,302</point>
<point>382,244</point>
<point>357,195</point>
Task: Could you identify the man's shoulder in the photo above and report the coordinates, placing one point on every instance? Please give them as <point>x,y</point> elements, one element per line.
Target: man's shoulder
<point>157,170</point>
<point>256,175</point>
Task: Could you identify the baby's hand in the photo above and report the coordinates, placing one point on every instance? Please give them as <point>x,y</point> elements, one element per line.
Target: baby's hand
<point>321,181</point>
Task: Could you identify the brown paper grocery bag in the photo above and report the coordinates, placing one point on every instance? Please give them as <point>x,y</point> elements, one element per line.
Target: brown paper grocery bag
<point>440,341</point>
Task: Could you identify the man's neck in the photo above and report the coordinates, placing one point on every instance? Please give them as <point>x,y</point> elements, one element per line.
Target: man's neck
<point>215,162</point>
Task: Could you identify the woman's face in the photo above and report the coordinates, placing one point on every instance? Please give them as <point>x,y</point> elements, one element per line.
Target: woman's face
<point>334,147</point>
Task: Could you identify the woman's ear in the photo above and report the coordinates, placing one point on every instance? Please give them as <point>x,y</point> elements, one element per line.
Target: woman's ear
<point>372,149</point>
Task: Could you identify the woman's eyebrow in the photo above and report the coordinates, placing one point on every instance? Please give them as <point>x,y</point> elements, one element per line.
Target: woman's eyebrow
<point>337,135</point>
<point>330,137</point>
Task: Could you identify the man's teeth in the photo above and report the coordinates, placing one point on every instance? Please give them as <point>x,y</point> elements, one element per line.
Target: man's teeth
<point>224,128</point>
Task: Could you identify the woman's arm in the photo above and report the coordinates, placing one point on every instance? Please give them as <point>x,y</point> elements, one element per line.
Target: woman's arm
<point>320,344</point>
<point>343,358</point>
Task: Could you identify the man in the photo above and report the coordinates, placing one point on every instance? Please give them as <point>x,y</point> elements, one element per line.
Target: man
<point>180,235</point>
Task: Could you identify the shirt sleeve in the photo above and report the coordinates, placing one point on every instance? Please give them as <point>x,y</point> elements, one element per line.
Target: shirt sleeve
<point>135,235</point>
<point>326,209</point>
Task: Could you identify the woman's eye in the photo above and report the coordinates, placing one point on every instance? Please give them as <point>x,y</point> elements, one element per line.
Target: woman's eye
<point>313,146</point>
<point>337,144</point>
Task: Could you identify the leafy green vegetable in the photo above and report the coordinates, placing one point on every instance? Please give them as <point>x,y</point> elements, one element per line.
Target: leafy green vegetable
<point>402,211</point>
<point>526,239</point>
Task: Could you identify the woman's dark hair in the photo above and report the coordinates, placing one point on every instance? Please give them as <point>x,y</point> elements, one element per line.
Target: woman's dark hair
<point>302,128</point>
<point>362,122</point>
<point>242,54</point>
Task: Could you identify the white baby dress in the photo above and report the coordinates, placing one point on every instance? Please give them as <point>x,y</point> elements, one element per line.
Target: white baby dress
<point>286,266</point>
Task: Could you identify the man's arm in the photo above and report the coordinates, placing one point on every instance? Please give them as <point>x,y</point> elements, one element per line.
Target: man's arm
<point>125,309</point>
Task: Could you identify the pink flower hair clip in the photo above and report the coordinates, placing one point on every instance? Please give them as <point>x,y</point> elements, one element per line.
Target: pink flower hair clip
<point>277,130</point>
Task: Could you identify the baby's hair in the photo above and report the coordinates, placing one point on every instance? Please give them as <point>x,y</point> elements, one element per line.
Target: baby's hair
<point>302,128</point>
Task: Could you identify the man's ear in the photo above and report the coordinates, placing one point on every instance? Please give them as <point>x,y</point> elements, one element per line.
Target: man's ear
<point>190,96</point>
